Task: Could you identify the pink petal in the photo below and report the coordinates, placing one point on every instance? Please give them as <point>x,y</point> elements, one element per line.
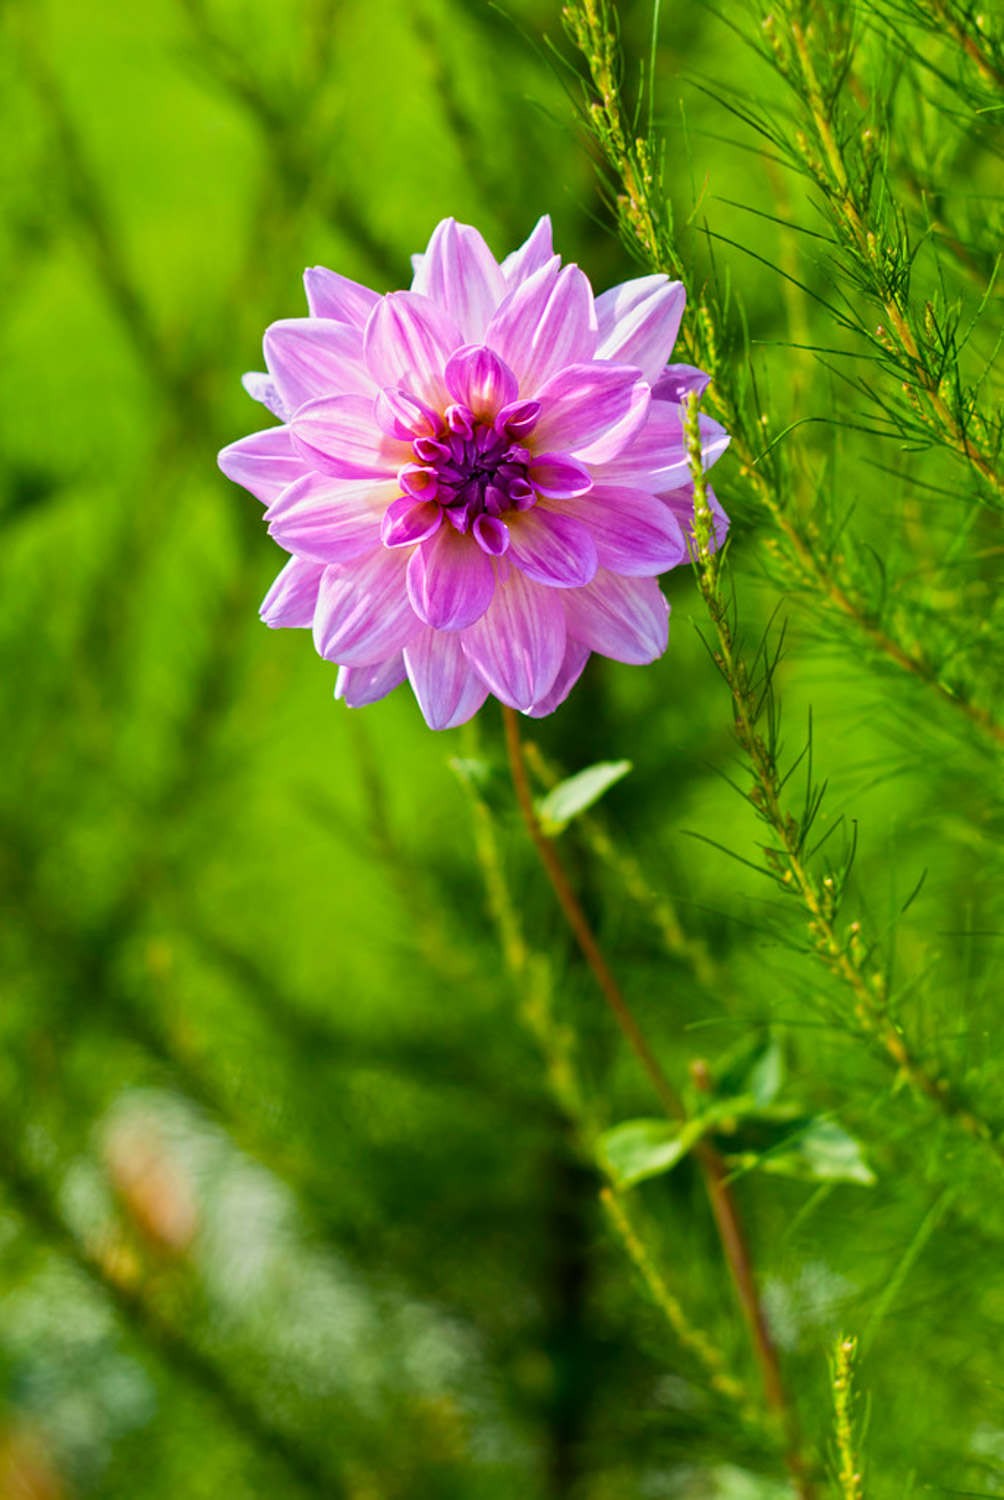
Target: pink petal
<point>639,321</point>
<point>518,419</point>
<point>677,382</point>
<point>310,357</point>
<point>408,522</point>
<point>591,410</point>
<point>408,341</point>
<point>332,296</point>
<point>518,645</point>
<point>460,273</point>
<point>553,549</point>
<point>363,614</point>
<point>553,474</point>
<point>361,685</point>
<point>576,656</point>
<point>448,690</point>
<point>634,532</point>
<point>261,387</point>
<point>483,382</point>
<point>626,618</point>
<point>330,520</point>
<point>450,580</point>
<point>339,435</point>
<point>547,322</point>
<point>491,535</point>
<point>531,255</point>
<point>680,504</point>
<point>419,481</point>
<point>403,416</point>
<point>264,463</point>
<point>293,596</point>
<point>657,458</point>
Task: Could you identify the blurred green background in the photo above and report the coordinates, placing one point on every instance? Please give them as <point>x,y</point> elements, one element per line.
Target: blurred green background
<point>287,1207</point>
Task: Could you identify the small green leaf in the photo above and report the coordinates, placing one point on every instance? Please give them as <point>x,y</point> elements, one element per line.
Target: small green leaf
<point>765,1077</point>
<point>821,1151</point>
<point>644,1148</point>
<point>751,1073</point>
<point>571,797</point>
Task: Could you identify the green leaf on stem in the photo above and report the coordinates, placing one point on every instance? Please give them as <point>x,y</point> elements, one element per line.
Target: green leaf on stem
<point>572,796</point>
<point>818,1150</point>
<point>644,1148</point>
<point>752,1073</point>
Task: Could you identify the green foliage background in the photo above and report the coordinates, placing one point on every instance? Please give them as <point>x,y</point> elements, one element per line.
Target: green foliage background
<point>289,1202</point>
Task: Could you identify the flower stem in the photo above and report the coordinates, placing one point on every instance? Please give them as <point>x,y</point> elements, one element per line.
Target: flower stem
<point>723,1205</point>
<point>577,921</point>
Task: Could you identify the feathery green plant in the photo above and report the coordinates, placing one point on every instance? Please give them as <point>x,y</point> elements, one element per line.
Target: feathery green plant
<point>917,348</point>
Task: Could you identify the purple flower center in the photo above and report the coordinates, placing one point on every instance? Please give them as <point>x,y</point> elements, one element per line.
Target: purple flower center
<point>474,468</point>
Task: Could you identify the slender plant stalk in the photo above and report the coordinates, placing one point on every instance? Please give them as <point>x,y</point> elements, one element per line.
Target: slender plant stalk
<point>644,216</point>
<point>723,1205</point>
<point>657,907</point>
<point>694,1339</point>
<point>848,1465</point>
<point>577,921</point>
<point>531,972</point>
<point>845,955</point>
<point>853,217</point>
<point>944,15</point>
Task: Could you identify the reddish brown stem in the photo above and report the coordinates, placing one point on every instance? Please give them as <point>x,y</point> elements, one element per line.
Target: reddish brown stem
<point>723,1204</point>
<point>740,1264</point>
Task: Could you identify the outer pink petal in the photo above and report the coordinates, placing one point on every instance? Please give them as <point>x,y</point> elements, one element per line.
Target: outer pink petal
<point>556,550</point>
<point>460,273</point>
<point>634,532</point>
<point>518,645</point>
<point>363,614</point>
<point>450,580</point>
<point>626,618</point>
<point>261,387</point>
<point>592,411</point>
<point>408,340</point>
<point>448,690</point>
<point>677,382</point>
<point>332,296</point>
<point>330,520</point>
<point>657,459</point>
<point>546,323</point>
<point>358,686</point>
<point>680,504</point>
<point>534,252</point>
<point>293,596</point>
<point>576,656</point>
<point>310,357</point>
<point>639,321</point>
<point>340,436</point>
<point>264,463</point>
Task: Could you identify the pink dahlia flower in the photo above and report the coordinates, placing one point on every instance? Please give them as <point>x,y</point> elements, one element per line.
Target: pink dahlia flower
<point>477,480</point>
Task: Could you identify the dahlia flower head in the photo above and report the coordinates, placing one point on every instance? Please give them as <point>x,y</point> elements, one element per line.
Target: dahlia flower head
<point>478,480</point>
